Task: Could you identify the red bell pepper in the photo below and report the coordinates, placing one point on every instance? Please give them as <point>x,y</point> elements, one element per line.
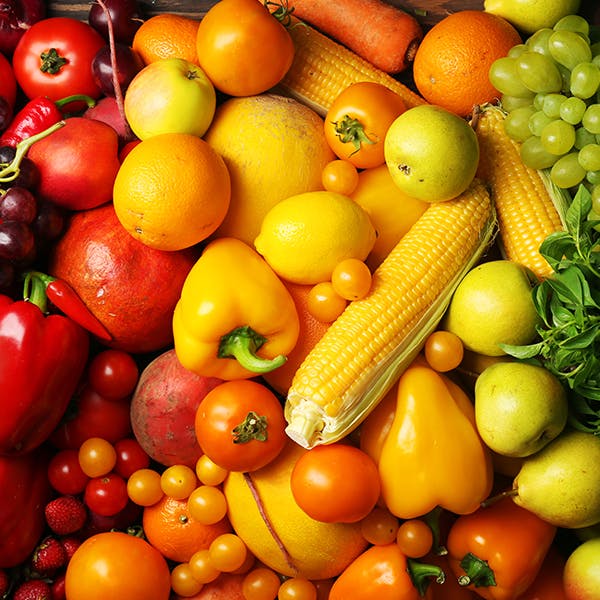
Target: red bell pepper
<point>498,550</point>
<point>25,492</point>
<point>42,359</point>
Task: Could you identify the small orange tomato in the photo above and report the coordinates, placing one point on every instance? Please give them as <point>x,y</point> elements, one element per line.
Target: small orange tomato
<point>335,483</point>
<point>443,350</point>
<point>243,48</point>
<point>340,176</point>
<point>324,303</point>
<point>351,279</point>
<point>357,122</point>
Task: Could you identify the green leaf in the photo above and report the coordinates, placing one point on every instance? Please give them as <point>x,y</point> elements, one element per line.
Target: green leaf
<point>523,352</point>
<point>556,247</point>
<point>578,211</point>
<point>582,340</point>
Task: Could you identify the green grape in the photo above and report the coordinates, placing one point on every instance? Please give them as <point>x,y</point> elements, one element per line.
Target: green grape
<point>585,80</point>
<point>538,72</point>
<point>551,104</point>
<point>558,137</point>
<point>510,103</point>
<point>572,109</point>
<point>533,154</point>
<point>538,101</point>
<point>516,123</point>
<point>591,118</point>
<point>517,50</point>
<point>596,199</point>
<point>566,172</point>
<point>537,121</point>
<point>595,48</point>
<point>593,215</point>
<point>565,76</point>
<point>593,177</point>
<point>569,48</point>
<point>589,157</point>
<point>503,76</point>
<point>538,41</point>
<point>575,23</point>
<point>583,137</point>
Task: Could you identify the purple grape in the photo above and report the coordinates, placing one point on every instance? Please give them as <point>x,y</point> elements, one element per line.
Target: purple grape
<point>18,204</point>
<point>49,222</point>
<point>29,175</point>
<point>128,65</point>
<point>16,240</point>
<point>7,276</point>
<point>7,153</point>
<point>125,16</point>
<point>6,113</point>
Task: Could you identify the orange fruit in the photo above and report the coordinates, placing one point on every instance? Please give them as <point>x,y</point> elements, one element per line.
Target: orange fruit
<point>166,35</point>
<point>311,331</point>
<point>169,527</point>
<point>452,62</point>
<point>172,191</point>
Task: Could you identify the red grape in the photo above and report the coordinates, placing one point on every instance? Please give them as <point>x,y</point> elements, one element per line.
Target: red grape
<point>18,204</point>
<point>16,241</point>
<point>128,65</point>
<point>125,16</point>
<point>6,113</point>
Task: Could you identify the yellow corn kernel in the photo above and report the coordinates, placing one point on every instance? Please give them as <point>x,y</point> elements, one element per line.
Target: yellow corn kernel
<point>367,347</point>
<point>322,68</point>
<point>526,209</point>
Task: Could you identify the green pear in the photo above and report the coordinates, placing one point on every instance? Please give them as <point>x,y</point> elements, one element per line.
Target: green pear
<point>519,408</point>
<point>528,16</point>
<point>493,305</point>
<point>561,482</point>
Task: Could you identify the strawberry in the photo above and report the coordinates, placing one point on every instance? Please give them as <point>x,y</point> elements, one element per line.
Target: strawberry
<point>49,556</point>
<point>65,515</point>
<point>70,544</point>
<point>33,589</point>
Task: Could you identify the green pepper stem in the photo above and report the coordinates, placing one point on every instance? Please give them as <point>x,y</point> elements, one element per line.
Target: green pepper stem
<point>422,574</point>
<point>34,291</point>
<point>90,102</point>
<point>477,572</point>
<point>11,171</point>
<point>241,344</point>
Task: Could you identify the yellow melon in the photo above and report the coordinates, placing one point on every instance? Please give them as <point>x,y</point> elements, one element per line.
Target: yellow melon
<point>293,543</point>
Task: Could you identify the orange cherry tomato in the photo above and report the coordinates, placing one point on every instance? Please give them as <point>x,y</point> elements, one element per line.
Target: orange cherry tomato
<point>340,176</point>
<point>357,122</point>
<point>335,483</point>
<point>324,303</point>
<point>443,350</point>
<point>243,48</point>
<point>351,279</point>
<point>117,565</point>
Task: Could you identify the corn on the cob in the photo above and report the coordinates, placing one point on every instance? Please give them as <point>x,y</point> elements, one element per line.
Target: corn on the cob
<point>526,208</point>
<point>322,68</point>
<point>366,349</point>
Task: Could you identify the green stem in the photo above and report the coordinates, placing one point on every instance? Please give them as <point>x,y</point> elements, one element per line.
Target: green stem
<point>421,574</point>
<point>242,343</point>
<point>11,171</point>
<point>76,98</point>
<point>34,291</point>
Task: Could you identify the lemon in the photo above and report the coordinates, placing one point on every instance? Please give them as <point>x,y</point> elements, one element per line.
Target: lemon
<point>305,236</point>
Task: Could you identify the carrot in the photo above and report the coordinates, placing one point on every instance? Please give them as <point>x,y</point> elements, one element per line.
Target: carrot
<point>379,32</point>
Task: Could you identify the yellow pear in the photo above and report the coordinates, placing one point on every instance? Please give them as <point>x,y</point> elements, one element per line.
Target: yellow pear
<point>263,512</point>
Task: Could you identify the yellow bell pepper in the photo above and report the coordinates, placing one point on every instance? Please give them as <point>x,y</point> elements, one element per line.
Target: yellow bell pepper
<point>433,455</point>
<point>235,318</point>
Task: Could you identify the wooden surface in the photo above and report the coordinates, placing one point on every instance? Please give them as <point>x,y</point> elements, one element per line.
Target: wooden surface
<point>428,11</point>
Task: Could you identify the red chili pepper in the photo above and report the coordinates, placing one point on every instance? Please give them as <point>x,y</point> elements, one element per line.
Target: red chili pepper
<point>38,114</point>
<point>64,297</point>
<point>41,363</point>
<point>25,492</point>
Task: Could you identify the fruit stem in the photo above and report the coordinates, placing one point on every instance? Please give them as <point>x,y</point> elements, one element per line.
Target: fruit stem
<point>242,343</point>
<point>500,496</point>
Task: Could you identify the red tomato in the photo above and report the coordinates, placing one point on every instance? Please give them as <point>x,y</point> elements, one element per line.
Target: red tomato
<point>8,84</point>
<point>336,483</point>
<point>240,425</point>
<point>65,473</point>
<point>113,374</point>
<point>107,495</point>
<point>54,58</point>
<point>243,48</point>
<point>357,122</point>
<point>117,565</point>
<point>92,415</point>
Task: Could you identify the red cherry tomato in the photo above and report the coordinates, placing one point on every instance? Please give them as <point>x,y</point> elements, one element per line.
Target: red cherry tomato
<point>106,495</point>
<point>92,415</point>
<point>130,457</point>
<point>113,374</point>
<point>54,58</point>
<point>240,425</point>
<point>65,473</point>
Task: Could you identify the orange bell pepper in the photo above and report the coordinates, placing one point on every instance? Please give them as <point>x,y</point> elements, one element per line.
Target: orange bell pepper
<point>433,455</point>
<point>499,549</point>
<point>235,318</point>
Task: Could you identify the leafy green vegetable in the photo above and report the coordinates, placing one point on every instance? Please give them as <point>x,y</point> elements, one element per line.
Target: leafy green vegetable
<point>569,306</point>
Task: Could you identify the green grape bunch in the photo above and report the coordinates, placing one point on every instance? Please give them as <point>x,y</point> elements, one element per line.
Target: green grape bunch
<point>550,88</point>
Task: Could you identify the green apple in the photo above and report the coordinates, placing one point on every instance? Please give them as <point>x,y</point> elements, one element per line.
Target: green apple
<point>519,408</point>
<point>493,305</point>
<point>171,95</point>
<point>581,575</point>
<point>531,15</point>
<point>431,153</point>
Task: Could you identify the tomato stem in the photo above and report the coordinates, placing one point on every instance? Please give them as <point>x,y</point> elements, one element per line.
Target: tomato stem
<point>253,427</point>
<point>52,61</point>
